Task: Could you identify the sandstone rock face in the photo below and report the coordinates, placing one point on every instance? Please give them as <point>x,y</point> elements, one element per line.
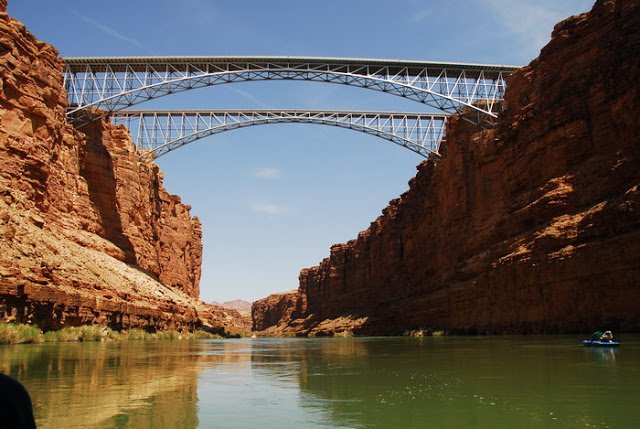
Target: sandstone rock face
<point>533,226</point>
<point>88,233</point>
<point>276,309</point>
<point>153,229</point>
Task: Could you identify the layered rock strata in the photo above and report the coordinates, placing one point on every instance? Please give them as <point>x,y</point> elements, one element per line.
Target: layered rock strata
<point>276,309</point>
<point>88,234</point>
<point>531,227</point>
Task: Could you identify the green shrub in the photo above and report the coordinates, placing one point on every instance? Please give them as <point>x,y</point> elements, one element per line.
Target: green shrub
<point>199,335</point>
<point>167,335</point>
<point>424,332</point>
<point>81,333</point>
<point>14,333</point>
<point>63,335</point>
<point>135,334</point>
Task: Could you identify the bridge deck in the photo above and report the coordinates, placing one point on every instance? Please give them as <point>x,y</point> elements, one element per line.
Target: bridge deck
<point>121,64</point>
<point>163,112</point>
<point>111,84</point>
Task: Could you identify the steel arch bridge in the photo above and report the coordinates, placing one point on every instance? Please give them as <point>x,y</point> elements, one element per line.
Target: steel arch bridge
<point>157,132</point>
<point>113,84</point>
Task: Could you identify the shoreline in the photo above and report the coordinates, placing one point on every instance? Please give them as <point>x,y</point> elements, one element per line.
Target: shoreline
<point>17,333</point>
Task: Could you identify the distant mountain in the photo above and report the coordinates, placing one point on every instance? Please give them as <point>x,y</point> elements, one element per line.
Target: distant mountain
<point>238,304</point>
<point>243,307</point>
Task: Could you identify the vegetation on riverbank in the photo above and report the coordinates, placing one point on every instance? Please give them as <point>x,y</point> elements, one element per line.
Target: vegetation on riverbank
<point>427,332</point>
<point>14,333</point>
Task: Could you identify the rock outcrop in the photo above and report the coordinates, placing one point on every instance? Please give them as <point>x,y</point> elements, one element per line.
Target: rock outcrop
<point>276,309</point>
<point>530,227</point>
<point>88,234</point>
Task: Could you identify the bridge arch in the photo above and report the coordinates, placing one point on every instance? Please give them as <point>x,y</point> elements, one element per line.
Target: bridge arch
<point>113,84</point>
<point>157,133</point>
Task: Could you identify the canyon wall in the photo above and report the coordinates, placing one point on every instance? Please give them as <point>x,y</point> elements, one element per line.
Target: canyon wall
<point>276,309</point>
<point>88,234</point>
<point>530,227</point>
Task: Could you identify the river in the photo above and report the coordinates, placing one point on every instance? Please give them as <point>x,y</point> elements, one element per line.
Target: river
<point>457,382</point>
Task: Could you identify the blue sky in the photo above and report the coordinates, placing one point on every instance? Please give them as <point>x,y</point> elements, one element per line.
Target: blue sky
<point>272,199</point>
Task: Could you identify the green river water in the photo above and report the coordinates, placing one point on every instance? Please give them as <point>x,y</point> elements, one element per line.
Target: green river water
<point>434,382</point>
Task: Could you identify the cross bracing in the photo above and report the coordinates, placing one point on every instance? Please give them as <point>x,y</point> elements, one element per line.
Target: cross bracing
<point>112,84</point>
<point>159,132</point>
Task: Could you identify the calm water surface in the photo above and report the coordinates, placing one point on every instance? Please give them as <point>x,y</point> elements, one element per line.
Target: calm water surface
<point>467,382</point>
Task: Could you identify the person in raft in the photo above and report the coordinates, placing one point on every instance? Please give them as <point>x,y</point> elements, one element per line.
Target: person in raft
<point>605,337</point>
<point>16,411</point>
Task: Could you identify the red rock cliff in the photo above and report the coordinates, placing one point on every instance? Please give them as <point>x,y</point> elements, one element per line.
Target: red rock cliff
<point>88,231</point>
<point>276,309</point>
<point>533,226</point>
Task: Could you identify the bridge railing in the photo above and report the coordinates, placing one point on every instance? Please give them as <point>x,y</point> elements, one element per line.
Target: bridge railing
<point>159,132</point>
<point>113,84</point>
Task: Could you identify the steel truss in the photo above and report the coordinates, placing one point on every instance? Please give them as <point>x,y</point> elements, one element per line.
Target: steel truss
<point>159,132</point>
<point>112,84</point>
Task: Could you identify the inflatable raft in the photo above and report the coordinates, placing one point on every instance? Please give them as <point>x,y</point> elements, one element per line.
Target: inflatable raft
<point>595,343</point>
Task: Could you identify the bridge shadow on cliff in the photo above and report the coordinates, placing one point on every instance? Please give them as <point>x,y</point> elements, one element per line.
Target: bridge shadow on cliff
<point>98,170</point>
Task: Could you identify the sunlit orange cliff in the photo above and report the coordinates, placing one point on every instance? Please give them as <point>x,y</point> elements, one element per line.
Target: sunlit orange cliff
<point>530,227</point>
<point>88,234</point>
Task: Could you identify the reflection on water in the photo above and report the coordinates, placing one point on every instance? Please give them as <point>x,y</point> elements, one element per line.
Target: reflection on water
<point>130,384</point>
<point>329,383</point>
<point>605,354</point>
<point>476,382</point>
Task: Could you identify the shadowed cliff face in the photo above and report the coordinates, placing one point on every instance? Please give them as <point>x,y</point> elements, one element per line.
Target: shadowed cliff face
<point>533,226</point>
<point>96,168</point>
<point>276,309</point>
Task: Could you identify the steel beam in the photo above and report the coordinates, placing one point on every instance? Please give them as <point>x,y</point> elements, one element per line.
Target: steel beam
<point>112,84</point>
<point>158,132</point>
